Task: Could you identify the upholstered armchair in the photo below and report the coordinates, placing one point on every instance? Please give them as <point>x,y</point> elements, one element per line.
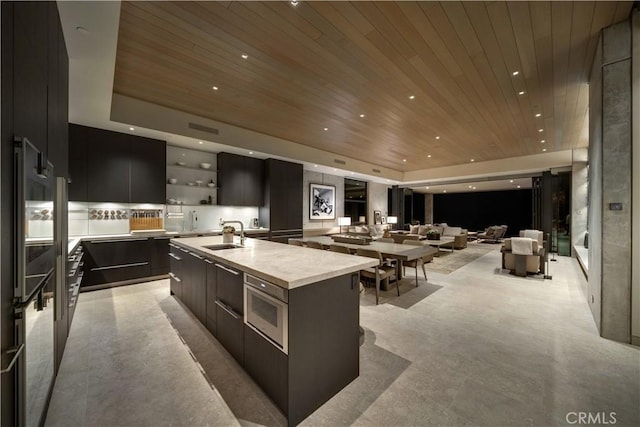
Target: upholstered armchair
<point>521,255</point>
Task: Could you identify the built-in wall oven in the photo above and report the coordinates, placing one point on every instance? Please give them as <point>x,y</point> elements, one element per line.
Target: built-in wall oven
<point>266,311</point>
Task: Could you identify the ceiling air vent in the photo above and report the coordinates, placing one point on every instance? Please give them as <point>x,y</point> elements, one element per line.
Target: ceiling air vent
<point>340,162</point>
<point>203,128</point>
<point>376,170</point>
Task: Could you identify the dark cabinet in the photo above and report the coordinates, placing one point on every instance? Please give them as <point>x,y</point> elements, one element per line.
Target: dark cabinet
<point>109,261</point>
<point>115,167</point>
<point>240,180</point>
<point>229,309</point>
<point>107,166</point>
<point>148,158</point>
<point>77,163</point>
<point>267,365</point>
<point>176,255</point>
<point>212,294</point>
<point>282,211</point>
<point>194,285</point>
<point>159,255</point>
<point>30,77</point>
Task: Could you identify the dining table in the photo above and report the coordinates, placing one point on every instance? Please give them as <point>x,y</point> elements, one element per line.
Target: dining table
<point>396,251</point>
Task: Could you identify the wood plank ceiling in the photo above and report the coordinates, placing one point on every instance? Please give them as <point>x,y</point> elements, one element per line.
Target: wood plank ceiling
<point>435,81</point>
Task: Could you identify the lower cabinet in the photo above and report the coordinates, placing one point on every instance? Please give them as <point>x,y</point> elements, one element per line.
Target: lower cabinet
<point>110,261</point>
<point>158,259</point>
<point>268,366</point>
<point>175,262</point>
<point>211,297</point>
<point>229,309</point>
<point>194,285</point>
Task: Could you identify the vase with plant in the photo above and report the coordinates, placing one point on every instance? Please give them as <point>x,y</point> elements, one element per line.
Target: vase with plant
<point>433,234</point>
<point>227,233</point>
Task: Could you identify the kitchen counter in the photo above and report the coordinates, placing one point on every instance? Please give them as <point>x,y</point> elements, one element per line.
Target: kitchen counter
<point>284,265</point>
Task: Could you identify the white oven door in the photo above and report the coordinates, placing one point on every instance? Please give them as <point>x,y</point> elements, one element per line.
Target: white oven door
<point>268,316</point>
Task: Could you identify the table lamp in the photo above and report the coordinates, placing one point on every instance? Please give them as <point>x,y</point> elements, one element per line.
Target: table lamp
<point>392,220</point>
<point>344,220</point>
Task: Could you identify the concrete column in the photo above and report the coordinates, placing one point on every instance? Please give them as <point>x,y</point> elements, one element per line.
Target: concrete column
<point>610,171</point>
<point>635,166</point>
<point>579,201</point>
<point>428,208</point>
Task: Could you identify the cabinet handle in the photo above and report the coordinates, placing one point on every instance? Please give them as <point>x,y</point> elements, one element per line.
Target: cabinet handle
<point>174,277</point>
<point>118,241</point>
<point>174,256</point>
<point>16,353</point>
<point>111,267</point>
<point>208,261</point>
<point>228,310</point>
<point>184,250</point>
<point>196,255</point>
<point>227,269</point>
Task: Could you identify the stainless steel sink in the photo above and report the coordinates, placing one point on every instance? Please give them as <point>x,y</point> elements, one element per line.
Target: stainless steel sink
<point>222,246</point>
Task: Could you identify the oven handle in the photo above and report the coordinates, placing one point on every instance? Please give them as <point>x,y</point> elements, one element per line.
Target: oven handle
<point>228,310</point>
<point>16,351</point>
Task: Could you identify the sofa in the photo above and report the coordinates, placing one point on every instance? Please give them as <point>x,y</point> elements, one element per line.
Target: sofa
<point>458,233</point>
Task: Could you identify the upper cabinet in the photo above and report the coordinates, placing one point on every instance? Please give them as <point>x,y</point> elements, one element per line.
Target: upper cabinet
<point>283,196</point>
<point>109,166</point>
<point>39,79</point>
<point>148,170</point>
<point>240,180</point>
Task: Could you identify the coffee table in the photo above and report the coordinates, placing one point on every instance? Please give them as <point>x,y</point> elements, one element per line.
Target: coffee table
<point>443,240</point>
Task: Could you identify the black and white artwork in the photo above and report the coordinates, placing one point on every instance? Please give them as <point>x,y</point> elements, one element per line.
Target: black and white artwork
<point>322,201</point>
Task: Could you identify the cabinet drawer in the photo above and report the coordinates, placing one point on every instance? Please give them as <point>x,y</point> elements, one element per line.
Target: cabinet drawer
<point>229,287</point>
<point>117,273</point>
<point>117,252</point>
<point>230,331</point>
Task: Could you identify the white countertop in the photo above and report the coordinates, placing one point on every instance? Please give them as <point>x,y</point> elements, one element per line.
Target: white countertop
<point>287,266</point>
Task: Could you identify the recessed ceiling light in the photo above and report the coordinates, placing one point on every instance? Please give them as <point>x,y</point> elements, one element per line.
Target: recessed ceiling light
<point>429,155</point>
<point>538,114</point>
<point>471,186</point>
<point>511,181</point>
<point>444,191</point>
<point>404,160</point>
<point>294,3</point>
<point>515,73</point>
<point>427,187</point>
<point>245,56</point>
<point>200,142</point>
<point>437,137</point>
<point>351,173</point>
<point>544,149</point>
<point>412,97</point>
<point>542,141</point>
<point>521,92</point>
<point>250,152</point>
<point>518,186</point>
<point>361,115</point>
<point>214,87</point>
<point>334,169</point>
<point>326,129</point>
<point>473,160</point>
<point>315,166</point>
<point>387,180</point>
<point>540,130</point>
<point>474,188</point>
<point>132,128</point>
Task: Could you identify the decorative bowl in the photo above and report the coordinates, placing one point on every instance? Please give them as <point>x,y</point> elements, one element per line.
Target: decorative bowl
<point>172,180</point>
<point>211,184</point>
<point>205,165</point>
<point>198,182</point>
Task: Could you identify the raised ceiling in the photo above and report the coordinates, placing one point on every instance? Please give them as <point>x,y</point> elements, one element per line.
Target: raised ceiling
<point>322,65</point>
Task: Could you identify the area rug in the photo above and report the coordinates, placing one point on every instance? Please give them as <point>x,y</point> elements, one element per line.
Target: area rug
<point>447,262</point>
<point>409,293</point>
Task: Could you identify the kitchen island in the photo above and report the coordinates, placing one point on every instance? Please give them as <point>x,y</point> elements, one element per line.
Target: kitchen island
<point>289,315</point>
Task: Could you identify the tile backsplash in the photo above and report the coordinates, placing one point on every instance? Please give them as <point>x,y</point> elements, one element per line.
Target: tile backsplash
<point>89,219</point>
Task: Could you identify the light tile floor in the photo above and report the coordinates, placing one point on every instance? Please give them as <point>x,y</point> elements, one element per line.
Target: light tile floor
<point>475,347</point>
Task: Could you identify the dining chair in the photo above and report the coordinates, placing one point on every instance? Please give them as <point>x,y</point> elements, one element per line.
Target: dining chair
<point>415,262</point>
<point>390,261</point>
<point>339,248</point>
<point>314,245</point>
<point>380,272</point>
<point>295,242</point>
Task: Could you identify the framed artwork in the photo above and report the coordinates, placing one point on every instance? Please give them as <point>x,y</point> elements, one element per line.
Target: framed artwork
<point>322,201</point>
<point>377,217</point>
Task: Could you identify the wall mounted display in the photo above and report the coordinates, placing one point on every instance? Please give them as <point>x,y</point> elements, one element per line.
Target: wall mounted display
<point>377,217</point>
<point>322,201</point>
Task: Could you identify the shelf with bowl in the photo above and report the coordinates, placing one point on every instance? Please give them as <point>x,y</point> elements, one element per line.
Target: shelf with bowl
<point>204,187</point>
<point>194,168</point>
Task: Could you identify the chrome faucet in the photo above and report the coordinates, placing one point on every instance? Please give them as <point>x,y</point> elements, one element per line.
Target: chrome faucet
<point>242,237</point>
<point>193,217</point>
